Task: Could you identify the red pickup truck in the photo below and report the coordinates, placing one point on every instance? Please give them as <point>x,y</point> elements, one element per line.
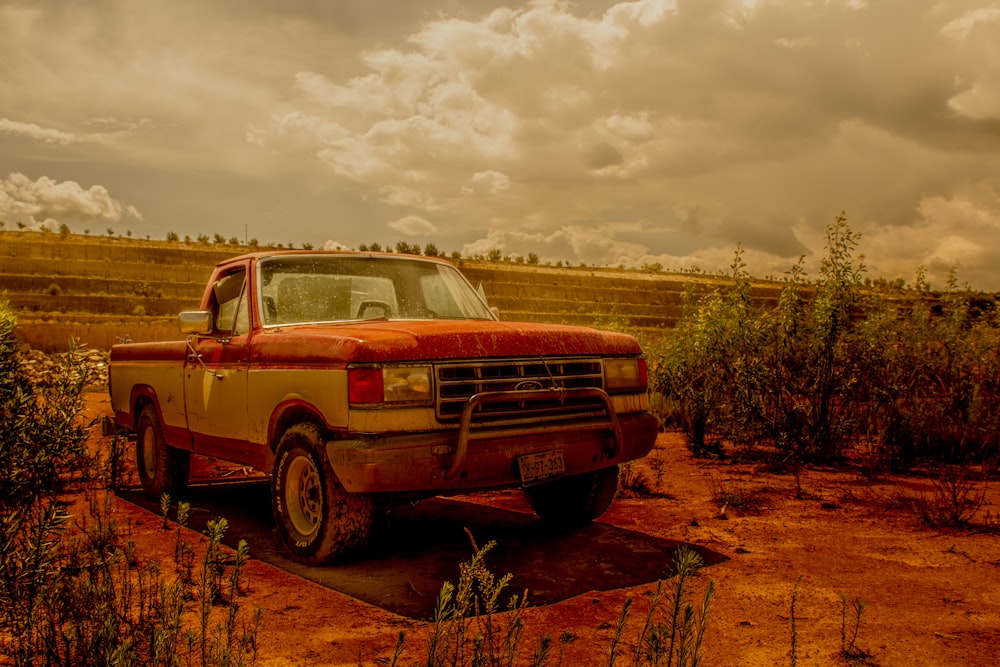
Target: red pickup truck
<point>355,379</point>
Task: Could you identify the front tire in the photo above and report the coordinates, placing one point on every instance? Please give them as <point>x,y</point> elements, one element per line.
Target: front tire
<point>317,520</point>
<point>162,468</point>
<point>574,501</point>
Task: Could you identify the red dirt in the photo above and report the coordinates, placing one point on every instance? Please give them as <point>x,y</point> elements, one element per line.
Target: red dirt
<point>933,596</point>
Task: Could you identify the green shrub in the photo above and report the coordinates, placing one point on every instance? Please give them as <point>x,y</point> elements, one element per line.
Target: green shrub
<point>942,383</point>
<point>710,368</point>
<point>74,593</point>
<point>833,366</point>
<point>42,440</point>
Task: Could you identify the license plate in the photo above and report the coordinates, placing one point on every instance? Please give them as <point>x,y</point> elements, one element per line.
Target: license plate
<point>539,467</point>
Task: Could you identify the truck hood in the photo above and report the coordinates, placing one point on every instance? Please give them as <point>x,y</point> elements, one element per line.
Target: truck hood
<point>428,340</point>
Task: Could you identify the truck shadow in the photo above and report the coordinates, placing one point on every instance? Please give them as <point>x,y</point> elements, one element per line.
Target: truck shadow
<point>422,545</point>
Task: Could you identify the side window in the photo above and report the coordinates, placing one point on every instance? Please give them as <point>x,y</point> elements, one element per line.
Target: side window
<point>231,316</point>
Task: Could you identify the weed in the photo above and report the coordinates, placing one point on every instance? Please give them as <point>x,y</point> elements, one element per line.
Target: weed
<point>465,629</point>
<point>113,467</point>
<point>633,481</point>
<point>619,630</point>
<point>851,612</point>
<point>165,509</point>
<point>956,496</point>
<point>673,631</point>
<point>729,495</point>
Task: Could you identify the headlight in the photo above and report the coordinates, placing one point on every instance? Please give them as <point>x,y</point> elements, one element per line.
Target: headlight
<point>407,384</point>
<point>392,385</point>
<point>624,375</point>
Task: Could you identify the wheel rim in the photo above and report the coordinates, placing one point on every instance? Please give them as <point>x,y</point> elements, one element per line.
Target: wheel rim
<point>149,453</point>
<point>303,495</point>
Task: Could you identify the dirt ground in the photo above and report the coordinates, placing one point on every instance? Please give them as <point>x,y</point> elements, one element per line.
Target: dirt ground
<point>933,595</point>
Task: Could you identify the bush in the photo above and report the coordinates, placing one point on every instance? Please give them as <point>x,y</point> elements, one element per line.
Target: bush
<point>76,594</point>
<point>940,370</point>
<point>42,441</point>
<point>832,366</point>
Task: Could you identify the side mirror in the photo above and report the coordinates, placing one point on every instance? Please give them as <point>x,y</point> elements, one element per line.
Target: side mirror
<point>195,322</point>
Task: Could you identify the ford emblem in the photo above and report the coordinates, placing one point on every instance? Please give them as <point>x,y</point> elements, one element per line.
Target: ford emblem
<point>528,385</point>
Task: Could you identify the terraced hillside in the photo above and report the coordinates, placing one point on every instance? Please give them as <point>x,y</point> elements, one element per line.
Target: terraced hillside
<point>101,290</point>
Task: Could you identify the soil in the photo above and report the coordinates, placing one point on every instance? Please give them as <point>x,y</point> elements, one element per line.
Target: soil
<point>819,538</point>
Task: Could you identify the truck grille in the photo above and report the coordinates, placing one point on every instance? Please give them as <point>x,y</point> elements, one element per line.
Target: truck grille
<point>459,382</point>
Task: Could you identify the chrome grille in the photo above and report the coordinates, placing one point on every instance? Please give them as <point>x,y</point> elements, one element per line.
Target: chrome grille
<point>457,383</point>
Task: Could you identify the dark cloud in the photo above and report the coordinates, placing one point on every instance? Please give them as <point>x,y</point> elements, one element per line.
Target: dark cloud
<point>602,155</point>
<point>600,131</point>
<point>774,236</point>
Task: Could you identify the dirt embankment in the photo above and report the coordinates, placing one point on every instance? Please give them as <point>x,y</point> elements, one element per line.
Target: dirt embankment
<point>100,290</point>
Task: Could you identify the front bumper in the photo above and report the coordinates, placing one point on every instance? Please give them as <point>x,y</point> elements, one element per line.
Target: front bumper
<point>485,455</point>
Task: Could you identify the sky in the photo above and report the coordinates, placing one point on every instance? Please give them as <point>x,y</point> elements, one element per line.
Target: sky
<point>597,132</point>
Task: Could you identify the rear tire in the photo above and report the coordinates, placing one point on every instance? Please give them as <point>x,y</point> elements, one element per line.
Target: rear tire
<point>317,520</point>
<point>574,501</point>
<point>162,468</point>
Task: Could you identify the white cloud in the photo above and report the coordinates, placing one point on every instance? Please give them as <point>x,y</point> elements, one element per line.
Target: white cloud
<point>33,131</point>
<point>413,225</point>
<point>963,26</point>
<point>981,100</point>
<point>486,183</point>
<point>589,245</point>
<point>46,200</point>
<point>959,232</point>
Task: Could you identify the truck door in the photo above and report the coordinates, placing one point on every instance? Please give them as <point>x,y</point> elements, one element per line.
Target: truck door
<point>215,386</point>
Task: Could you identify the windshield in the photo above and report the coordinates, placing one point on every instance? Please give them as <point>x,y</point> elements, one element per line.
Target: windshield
<point>313,288</point>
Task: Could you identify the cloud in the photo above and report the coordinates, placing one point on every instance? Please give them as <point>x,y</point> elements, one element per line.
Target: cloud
<point>959,232</point>
<point>768,118</point>
<point>962,27</point>
<point>616,131</point>
<point>45,201</point>
<point>37,132</point>
<point>595,246</point>
<point>486,183</point>
<point>413,225</point>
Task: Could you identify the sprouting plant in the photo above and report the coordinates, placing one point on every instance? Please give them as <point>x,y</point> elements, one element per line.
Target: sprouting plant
<point>240,559</point>
<point>674,629</point>
<point>616,636</point>
<point>851,611</point>
<point>165,509</point>
<point>465,629</point>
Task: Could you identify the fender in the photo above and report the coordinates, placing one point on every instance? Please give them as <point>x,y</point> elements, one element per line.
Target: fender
<point>291,411</point>
<point>175,436</point>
